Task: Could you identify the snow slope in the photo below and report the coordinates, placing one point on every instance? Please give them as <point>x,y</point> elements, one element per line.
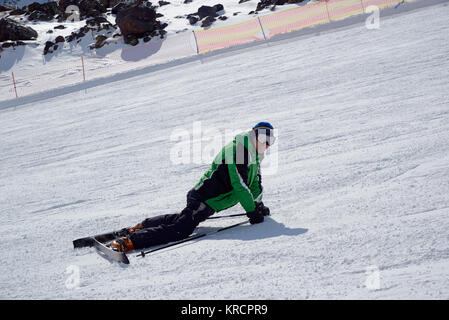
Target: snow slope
<point>361,183</point>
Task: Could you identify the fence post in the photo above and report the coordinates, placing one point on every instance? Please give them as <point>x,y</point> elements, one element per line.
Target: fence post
<point>84,73</point>
<point>327,9</point>
<point>14,83</point>
<point>363,7</point>
<point>261,28</point>
<point>196,42</point>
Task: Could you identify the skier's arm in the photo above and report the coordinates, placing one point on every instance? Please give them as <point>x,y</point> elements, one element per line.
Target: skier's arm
<point>238,173</point>
<point>257,189</point>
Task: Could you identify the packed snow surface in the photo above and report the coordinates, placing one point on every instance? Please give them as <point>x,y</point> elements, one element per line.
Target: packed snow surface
<point>358,181</point>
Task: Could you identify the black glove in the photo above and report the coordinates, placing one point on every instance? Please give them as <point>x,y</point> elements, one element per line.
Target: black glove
<point>255,216</point>
<point>261,207</point>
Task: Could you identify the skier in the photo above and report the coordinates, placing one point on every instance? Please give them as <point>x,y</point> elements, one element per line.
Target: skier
<point>234,177</point>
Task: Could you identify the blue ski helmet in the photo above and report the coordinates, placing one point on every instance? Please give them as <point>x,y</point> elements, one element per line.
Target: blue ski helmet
<point>264,133</point>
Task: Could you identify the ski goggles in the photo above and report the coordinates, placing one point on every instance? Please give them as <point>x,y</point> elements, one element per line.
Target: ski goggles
<point>265,138</point>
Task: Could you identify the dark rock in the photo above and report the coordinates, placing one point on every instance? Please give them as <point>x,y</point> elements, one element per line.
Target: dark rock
<point>136,20</point>
<point>119,7</point>
<point>131,39</point>
<point>266,3</point>
<point>78,34</point>
<point>17,12</point>
<point>39,16</point>
<point>206,11</point>
<point>7,44</point>
<point>91,8</point>
<point>223,18</point>
<point>100,38</point>
<point>97,21</point>
<point>187,1</point>
<point>12,30</point>
<point>207,22</point>
<point>113,3</point>
<point>42,11</point>
<point>192,19</point>
<point>100,41</point>
<point>60,27</point>
<point>6,7</point>
<point>48,46</point>
<point>50,31</point>
<point>163,3</point>
<point>46,9</point>
<point>242,1</point>
<point>59,39</point>
<point>218,7</point>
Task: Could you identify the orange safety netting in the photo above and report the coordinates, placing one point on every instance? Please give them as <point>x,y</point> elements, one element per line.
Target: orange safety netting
<point>380,3</point>
<point>285,21</point>
<point>339,9</point>
<point>218,38</point>
<point>294,19</point>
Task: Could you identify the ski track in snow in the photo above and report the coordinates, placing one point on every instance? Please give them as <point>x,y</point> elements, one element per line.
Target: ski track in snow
<point>363,149</point>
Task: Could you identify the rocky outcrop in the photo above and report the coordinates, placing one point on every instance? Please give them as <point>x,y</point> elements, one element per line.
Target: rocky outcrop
<point>13,30</point>
<point>207,14</point>
<point>266,3</point>
<point>6,7</point>
<point>206,11</point>
<point>41,11</point>
<point>138,22</point>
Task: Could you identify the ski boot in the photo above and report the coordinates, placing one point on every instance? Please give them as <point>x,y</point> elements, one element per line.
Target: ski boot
<point>123,244</point>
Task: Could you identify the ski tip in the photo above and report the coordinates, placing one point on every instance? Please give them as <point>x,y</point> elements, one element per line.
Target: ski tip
<point>83,242</point>
<point>125,259</point>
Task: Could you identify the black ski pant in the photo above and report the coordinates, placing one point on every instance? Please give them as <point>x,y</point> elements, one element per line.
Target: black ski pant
<point>172,227</point>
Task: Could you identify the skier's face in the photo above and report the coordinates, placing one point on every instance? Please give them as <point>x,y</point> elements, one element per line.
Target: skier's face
<point>261,147</point>
<point>263,141</point>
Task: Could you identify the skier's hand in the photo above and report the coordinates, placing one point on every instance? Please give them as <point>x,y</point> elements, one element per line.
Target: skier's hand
<point>255,216</point>
<point>261,207</point>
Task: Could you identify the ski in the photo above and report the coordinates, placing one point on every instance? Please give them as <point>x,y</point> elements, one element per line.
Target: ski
<point>193,237</point>
<point>99,242</point>
<point>109,236</point>
<point>109,253</point>
<point>103,238</point>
